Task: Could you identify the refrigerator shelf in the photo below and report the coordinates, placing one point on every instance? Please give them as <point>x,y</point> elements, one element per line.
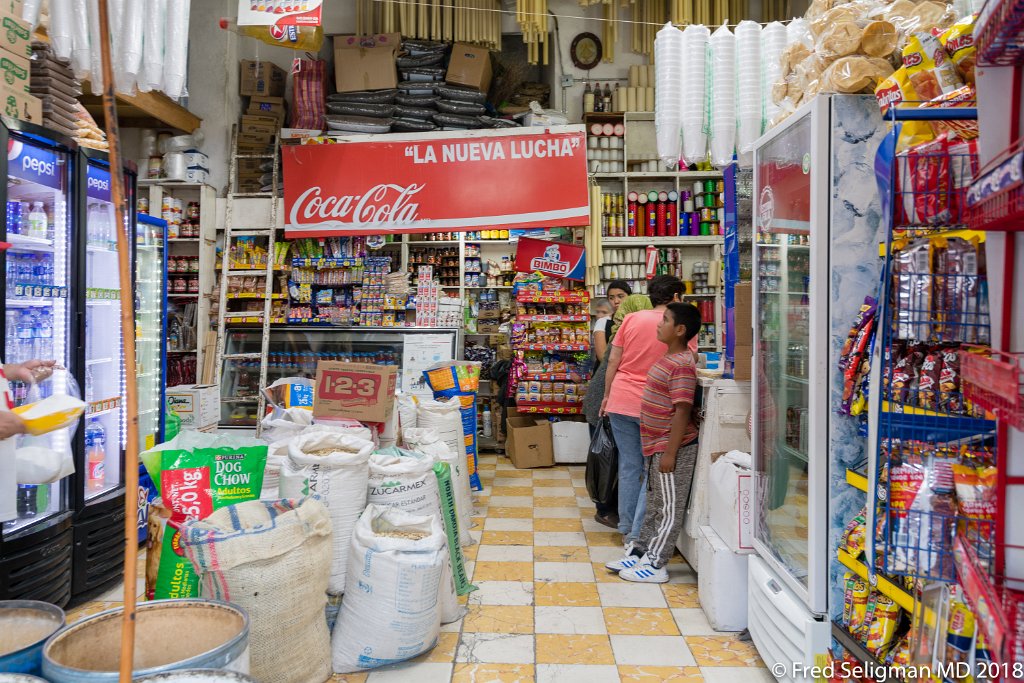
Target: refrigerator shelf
<point>32,291</point>
<point>26,243</point>
<point>96,248</point>
<point>98,361</point>
<point>103,406</point>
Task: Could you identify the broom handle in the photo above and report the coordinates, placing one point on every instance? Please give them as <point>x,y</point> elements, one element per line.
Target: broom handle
<point>131,457</point>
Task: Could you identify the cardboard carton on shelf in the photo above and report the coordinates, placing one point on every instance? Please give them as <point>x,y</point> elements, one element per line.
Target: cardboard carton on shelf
<point>269,107</point>
<point>20,105</point>
<point>487,326</point>
<point>261,78</point>
<point>15,33</point>
<point>358,391</point>
<point>470,66</point>
<point>528,443</point>
<point>265,125</point>
<point>198,405</point>
<point>365,62</point>
<point>251,140</point>
<point>743,297</point>
<point>15,71</point>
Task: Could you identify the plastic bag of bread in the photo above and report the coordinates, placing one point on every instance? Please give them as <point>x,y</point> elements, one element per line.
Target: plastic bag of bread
<point>839,39</point>
<point>928,67</point>
<point>879,39</point>
<point>848,12</point>
<point>855,74</point>
<point>958,41</point>
<point>792,55</point>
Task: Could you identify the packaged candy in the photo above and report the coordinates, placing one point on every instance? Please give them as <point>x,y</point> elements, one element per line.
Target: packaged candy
<point>950,398</point>
<point>913,289</point>
<point>904,376</point>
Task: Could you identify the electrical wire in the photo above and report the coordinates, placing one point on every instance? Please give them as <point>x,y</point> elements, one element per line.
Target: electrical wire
<point>427,3</point>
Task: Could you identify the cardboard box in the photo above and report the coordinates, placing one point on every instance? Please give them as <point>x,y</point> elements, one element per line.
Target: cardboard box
<point>12,7</point>
<point>743,299</point>
<point>489,313</point>
<point>527,443</point>
<point>15,34</point>
<point>487,326</point>
<point>19,105</point>
<point>16,71</point>
<point>359,391</point>
<point>365,63</point>
<point>267,107</point>
<point>261,78</point>
<point>254,139</point>
<point>266,125</point>
<point>198,405</point>
<point>743,355</point>
<point>570,440</point>
<point>469,66</point>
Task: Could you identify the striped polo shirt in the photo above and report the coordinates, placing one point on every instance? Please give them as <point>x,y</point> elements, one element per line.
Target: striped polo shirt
<point>672,380</point>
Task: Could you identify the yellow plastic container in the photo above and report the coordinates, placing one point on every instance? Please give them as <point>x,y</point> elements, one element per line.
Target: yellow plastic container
<point>50,414</point>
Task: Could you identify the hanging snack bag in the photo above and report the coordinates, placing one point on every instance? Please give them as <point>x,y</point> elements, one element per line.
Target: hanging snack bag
<point>855,535</point>
<point>928,381</point>
<point>928,67</point>
<point>958,41</point>
<point>884,619</point>
<point>195,474</point>
<point>959,632</point>
<point>950,398</point>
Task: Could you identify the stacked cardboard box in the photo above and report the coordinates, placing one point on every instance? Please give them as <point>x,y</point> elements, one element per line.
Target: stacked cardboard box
<point>744,330</point>
<point>264,84</point>
<point>54,83</point>
<point>15,67</point>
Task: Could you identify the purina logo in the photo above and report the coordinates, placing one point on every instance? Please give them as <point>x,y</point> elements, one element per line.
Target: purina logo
<point>551,262</point>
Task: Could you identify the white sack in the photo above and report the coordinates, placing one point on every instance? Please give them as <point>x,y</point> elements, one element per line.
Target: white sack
<point>428,440</point>
<point>338,477</point>
<point>38,465</point>
<point>406,410</point>
<point>391,612</point>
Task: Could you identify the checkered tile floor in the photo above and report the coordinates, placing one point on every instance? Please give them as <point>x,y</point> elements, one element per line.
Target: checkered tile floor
<point>547,610</point>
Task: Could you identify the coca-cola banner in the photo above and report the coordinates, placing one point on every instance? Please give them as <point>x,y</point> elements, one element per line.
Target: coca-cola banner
<point>512,178</point>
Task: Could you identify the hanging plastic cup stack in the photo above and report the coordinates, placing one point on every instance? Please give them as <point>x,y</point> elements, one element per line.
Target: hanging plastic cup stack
<point>773,42</point>
<point>749,105</point>
<point>723,96</point>
<point>668,49</point>
<point>694,107</point>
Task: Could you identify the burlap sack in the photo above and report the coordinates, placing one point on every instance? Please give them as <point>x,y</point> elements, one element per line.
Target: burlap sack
<point>273,560</point>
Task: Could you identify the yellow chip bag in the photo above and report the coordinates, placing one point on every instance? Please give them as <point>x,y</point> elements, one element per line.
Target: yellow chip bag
<point>928,67</point>
<point>884,620</point>
<point>898,91</point>
<point>958,41</point>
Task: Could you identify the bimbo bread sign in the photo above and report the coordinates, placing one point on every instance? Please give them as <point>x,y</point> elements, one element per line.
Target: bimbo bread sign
<point>512,178</point>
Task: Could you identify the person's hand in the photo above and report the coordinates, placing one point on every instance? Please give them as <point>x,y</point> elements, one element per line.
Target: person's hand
<point>604,407</point>
<point>667,463</point>
<point>30,370</point>
<point>10,424</point>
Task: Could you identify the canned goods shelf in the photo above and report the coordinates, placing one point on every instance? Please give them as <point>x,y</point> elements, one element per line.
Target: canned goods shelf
<point>556,377</point>
<point>253,295</point>
<point>677,241</point>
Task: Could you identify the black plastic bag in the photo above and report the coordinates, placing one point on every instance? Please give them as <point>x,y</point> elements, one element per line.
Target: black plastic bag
<point>603,467</point>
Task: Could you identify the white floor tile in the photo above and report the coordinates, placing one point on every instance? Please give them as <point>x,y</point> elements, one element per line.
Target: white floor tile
<point>631,595</point>
<point>510,502</point>
<point>510,481</point>
<point>502,593</point>
<point>556,513</point>
<point>572,572</point>
<point>605,553</point>
<point>470,566</point>
<point>736,674</point>
<point>652,651</point>
<point>693,622</point>
<point>421,672</point>
<point>552,474</point>
<point>577,673</point>
<point>571,620</point>
<point>585,503</point>
<point>580,482</point>
<point>591,524</point>
<point>499,524</point>
<point>505,553</point>
<point>494,648</point>
<point>574,538</point>
<point>553,492</point>
<point>476,535</point>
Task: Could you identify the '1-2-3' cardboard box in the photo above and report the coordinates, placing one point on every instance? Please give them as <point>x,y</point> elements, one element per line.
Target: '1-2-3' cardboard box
<point>360,391</point>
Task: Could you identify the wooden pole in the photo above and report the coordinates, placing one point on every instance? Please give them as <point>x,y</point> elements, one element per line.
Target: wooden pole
<point>131,456</point>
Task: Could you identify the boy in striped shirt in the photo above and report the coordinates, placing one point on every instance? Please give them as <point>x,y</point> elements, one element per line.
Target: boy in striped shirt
<point>669,436</point>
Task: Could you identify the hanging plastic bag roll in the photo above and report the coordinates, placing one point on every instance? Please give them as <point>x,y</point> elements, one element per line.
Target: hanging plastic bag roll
<point>80,60</point>
<point>723,96</point>
<point>153,46</point>
<point>95,54</point>
<point>30,11</point>
<point>132,27</point>
<point>115,16</point>
<point>176,48</point>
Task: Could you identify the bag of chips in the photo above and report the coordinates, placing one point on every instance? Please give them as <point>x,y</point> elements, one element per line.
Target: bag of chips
<point>884,618</point>
<point>958,41</point>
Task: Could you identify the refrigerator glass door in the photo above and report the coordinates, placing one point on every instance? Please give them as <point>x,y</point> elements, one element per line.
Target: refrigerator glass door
<point>37,305</point>
<point>149,306</point>
<point>785,235</point>
<point>104,352</point>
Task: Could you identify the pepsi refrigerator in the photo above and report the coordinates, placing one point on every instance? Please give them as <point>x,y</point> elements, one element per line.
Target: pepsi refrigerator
<point>41,307</point>
<point>817,228</point>
<point>98,495</point>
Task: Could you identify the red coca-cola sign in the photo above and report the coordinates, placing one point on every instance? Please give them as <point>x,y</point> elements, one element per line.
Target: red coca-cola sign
<point>437,181</point>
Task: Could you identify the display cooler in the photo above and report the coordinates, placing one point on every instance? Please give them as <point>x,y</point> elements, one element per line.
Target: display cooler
<point>817,233</point>
<point>100,444</point>
<point>150,344</point>
<point>294,352</point>
<point>41,306</point>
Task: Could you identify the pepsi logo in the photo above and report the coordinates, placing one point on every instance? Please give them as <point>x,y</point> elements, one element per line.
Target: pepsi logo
<point>13,149</point>
<point>39,167</point>
<point>96,183</point>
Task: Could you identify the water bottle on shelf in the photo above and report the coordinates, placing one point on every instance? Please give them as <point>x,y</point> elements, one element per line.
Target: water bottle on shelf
<point>37,221</point>
<point>14,210</point>
<point>25,337</point>
<point>90,391</point>
<point>96,455</point>
<point>45,345</point>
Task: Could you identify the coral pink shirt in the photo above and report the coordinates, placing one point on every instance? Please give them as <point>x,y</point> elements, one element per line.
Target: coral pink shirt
<point>638,339</point>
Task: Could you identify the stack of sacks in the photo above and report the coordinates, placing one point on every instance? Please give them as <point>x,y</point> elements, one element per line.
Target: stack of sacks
<point>361,112</point>
<point>458,107</point>
<point>856,47</point>
<point>421,66</point>
<point>54,83</point>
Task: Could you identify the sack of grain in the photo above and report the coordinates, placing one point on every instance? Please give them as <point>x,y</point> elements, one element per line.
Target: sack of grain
<point>429,441</point>
<point>335,467</point>
<point>273,560</point>
<point>406,412</point>
<point>391,611</point>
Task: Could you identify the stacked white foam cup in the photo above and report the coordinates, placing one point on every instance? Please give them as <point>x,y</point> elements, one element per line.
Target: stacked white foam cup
<point>668,51</point>
<point>749,85</point>
<point>723,96</point>
<point>773,42</point>
<point>694,110</point>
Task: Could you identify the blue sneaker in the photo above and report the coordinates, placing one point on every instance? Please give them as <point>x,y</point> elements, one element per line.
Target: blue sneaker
<point>645,572</point>
<point>626,561</point>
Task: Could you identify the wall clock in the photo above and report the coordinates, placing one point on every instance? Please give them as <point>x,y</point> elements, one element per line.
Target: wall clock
<point>585,51</point>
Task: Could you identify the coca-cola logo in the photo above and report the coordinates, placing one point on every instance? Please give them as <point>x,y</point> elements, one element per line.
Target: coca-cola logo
<point>385,204</point>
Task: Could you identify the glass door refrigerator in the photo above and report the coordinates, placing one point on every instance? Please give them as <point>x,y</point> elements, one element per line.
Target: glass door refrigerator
<point>99,489</point>
<point>817,228</point>
<point>40,311</point>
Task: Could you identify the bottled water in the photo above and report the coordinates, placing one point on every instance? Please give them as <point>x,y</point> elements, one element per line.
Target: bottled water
<point>90,391</point>
<point>37,221</point>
